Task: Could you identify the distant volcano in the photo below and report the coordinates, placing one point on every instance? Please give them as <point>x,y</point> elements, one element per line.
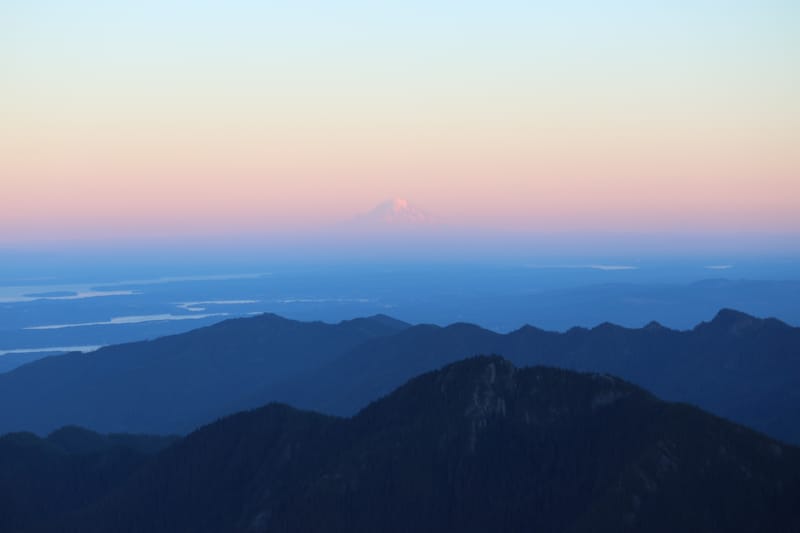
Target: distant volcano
<point>396,212</point>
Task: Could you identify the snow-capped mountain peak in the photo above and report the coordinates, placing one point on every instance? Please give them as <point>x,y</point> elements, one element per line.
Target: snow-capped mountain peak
<point>397,211</point>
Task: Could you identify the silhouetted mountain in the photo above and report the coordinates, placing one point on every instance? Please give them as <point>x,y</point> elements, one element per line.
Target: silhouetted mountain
<point>176,383</point>
<point>477,446</point>
<point>42,480</point>
<point>737,366</point>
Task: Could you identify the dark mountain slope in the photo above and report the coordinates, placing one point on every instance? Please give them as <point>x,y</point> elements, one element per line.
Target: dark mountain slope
<point>737,366</point>
<point>45,479</point>
<point>176,383</point>
<point>477,446</point>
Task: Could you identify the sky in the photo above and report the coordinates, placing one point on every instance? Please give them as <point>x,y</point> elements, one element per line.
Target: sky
<point>132,119</point>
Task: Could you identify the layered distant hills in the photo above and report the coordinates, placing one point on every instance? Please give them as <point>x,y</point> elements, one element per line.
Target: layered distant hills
<point>173,384</point>
<point>737,366</point>
<point>477,446</point>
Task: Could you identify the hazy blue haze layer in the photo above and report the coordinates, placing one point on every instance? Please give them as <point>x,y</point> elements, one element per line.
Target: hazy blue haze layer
<point>46,305</point>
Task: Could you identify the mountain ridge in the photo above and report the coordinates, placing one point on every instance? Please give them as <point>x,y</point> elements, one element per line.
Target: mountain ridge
<point>477,445</point>
<point>175,383</point>
<point>747,374</point>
